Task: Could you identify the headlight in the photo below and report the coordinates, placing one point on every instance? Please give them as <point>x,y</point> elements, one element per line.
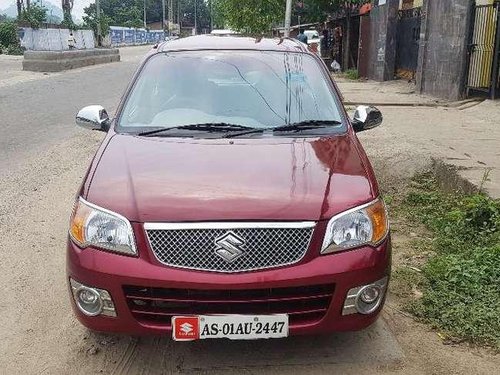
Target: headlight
<point>91,225</point>
<point>364,225</point>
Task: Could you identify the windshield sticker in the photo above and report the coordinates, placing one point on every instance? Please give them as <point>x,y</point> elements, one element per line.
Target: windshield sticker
<point>296,77</point>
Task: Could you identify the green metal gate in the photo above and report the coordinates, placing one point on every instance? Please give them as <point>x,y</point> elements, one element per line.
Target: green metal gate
<point>484,50</point>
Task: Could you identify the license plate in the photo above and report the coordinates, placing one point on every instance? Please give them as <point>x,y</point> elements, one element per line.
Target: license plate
<point>233,327</point>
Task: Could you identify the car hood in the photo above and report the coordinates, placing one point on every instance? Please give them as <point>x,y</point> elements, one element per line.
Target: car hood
<point>175,179</point>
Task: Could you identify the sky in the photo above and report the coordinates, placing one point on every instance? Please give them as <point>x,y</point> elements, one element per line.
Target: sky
<point>77,8</point>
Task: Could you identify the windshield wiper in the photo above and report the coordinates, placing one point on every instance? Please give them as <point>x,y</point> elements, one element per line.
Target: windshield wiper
<point>307,125</point>
<point>208,127</point>
<point>245,132</point>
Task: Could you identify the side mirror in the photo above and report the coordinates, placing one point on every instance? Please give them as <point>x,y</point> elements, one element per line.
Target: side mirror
<point>93,117</point>
<point>366,117</point>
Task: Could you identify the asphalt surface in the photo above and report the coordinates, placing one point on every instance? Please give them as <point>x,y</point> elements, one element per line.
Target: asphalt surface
<point>39,113</point>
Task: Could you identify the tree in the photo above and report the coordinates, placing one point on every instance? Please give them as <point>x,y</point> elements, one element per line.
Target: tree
<point>187,12</point>
<point>153,10</point>
<point>35,15</point>
<point>127,13</point>
<point>67,6</point>
<point>257,16</point>
<point>8,34</point>
<point>251,16</point>
<point>90,20</point>
<point>19,4</point>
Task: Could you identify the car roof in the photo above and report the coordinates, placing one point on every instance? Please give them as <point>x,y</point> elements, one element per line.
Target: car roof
<point>212,42</point>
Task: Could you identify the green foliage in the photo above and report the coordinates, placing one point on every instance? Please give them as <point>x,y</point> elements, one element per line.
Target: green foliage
<point>202,13</point>
<point>9,43</point>
<point>259,16</point>
<point>251,16</point>
<point>218,16</point>
<point>462,280</point>
<point>352,74</point>
<point>15,49</point>
<point>67,22</point>
<point>8,34</point>
<point>35,15</point>
<point>316,10</point>
<point>128,13</point>
<point>90,20</point>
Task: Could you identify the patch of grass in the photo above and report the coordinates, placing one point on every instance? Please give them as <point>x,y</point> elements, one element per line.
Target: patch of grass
<point>406,283</point>
<point>352,74</point>
<point>461,280</point>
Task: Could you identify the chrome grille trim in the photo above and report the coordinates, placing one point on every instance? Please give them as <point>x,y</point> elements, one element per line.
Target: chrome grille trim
<point>230,225</point>
<point>268,244</point>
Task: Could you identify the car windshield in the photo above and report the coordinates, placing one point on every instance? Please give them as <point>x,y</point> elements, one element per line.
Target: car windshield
<point>251,89</point>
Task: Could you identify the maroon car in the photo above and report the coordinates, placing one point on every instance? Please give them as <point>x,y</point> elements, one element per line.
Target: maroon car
<point>230,198</point>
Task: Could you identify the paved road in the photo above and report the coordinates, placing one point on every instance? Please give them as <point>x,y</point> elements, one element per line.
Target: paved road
<point>37,111</point>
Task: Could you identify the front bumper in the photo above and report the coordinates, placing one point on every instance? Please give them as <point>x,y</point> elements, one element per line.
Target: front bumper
<point>113,272</point>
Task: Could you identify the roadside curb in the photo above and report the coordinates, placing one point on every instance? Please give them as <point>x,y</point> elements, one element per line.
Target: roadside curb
<point>466,103</point>
<point>56,61</point>
<point>449,178</point>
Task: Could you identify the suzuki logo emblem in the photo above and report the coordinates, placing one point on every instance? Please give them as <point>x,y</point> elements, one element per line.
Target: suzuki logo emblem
<point>229,247</point>
<point>186,328</point>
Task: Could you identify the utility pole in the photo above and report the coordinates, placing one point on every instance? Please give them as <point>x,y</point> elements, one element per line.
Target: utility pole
<point>145,23</point>
<point>211,16</point>
<point>98,11</point>
<point>170,16</point>
<point>179,14</point>
<point>195,17</point>
<point>288,17</point>
<point>163,15</point>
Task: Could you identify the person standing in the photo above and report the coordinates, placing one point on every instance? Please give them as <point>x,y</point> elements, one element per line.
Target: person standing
<point>302,37</point>
<point>71,41</point>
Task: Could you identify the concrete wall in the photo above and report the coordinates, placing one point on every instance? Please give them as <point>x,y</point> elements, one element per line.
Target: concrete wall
<point>383,41</point>
<point>54,39</point>
<point>127,36</point>
<point>443,48</point>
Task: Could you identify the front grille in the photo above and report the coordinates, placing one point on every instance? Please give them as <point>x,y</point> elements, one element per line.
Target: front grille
<point>230,249</point>
<point>156,306</point>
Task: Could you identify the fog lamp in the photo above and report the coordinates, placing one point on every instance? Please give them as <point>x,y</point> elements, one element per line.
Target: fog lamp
<point>369,294</point>
<point>88,301</point>
<point>92,301</point>
<point>365,299</point>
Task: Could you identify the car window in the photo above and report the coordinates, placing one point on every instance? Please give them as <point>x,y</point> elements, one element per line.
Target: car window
<point>248,88</point>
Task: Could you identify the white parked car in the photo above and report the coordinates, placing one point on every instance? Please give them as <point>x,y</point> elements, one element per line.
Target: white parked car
<point>313,38</point>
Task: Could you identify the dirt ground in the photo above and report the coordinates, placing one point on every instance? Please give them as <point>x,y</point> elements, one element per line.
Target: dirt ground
<point>41,336</point>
